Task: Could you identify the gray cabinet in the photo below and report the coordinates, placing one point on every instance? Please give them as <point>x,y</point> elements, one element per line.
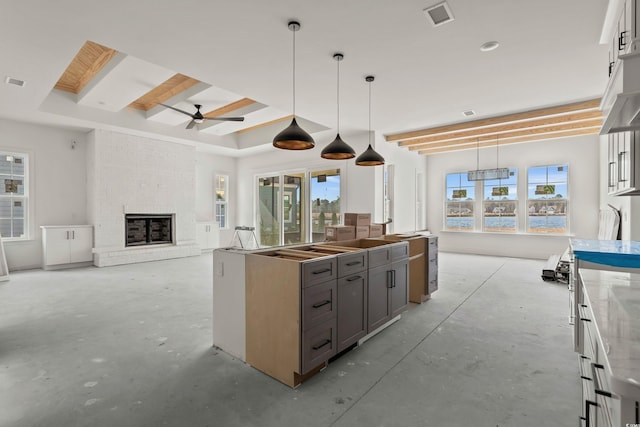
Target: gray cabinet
<point>319,313</point>
<point>388,291</point>
<point>623,168</point>
<point>352,308</point>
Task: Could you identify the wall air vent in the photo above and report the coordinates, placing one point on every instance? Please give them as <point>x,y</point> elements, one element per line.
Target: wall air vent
<point>12,81</point>
<point>439,14</point>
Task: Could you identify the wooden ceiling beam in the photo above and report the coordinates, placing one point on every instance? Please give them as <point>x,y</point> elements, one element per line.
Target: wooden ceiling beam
<point>529,138</point>
<point>514,134</point>
<point>88,62</point>
<point>492,130</point>
<point>176,84</point>
<point>270,122</point>
<point>241,103</point>
<point>533,114</point>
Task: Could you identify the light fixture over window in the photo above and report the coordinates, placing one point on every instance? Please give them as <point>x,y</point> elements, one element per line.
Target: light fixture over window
<point>338,149</point>
<point>369,157</point>
<point>294,137</point>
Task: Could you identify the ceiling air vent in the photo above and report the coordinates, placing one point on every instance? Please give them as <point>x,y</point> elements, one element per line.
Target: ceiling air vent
<point>12,81</point>
<point>468,113</point>
<point>439,14</point>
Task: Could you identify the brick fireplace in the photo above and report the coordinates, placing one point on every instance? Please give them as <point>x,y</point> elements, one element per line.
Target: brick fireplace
<point>141,198</point>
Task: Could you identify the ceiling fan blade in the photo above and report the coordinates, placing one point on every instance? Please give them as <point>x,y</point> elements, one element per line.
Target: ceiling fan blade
<point>227,119</point>
<point>176,109</point>
<point>191,124</point>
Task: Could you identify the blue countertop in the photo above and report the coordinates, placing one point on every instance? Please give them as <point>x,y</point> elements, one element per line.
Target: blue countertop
<point>614,253</point>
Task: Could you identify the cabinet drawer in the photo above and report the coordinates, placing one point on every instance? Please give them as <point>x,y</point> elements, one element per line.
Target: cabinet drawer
<point>318,271</point>
<point>319,304</point>
<point>432,265</point>
<point>432,284</point>
<point>379,256</point>
<point>353,263</point>
<point>399,251</point>
<point>318,345</point>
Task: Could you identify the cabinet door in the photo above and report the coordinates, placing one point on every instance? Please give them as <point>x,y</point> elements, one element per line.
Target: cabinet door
<point>399,291</point>
<point>81,244</point>
<point>624,160</point>
<point>378,297</point>
<point>56,246</point>
<point>612,171</point>
<point>202,237</point>
<point>352,309</point>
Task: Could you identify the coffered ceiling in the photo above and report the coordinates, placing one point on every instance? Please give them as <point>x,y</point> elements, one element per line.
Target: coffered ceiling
<point>110,64</point>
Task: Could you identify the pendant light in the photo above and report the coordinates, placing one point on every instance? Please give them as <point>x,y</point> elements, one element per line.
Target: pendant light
<point>369,157</point>
<point>338,149</point>
<point>294,137</point>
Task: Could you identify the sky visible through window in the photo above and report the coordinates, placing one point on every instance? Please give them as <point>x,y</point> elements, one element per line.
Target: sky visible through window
<point>328,190</point>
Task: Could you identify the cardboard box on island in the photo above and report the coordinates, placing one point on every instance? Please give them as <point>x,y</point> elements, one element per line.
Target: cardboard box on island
<point>376,230</point>
<point>357,219</point>
<point>335,233</point>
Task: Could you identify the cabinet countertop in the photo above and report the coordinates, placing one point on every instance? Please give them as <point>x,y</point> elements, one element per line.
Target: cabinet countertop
<point>614,299</point>
<point>614,253</point>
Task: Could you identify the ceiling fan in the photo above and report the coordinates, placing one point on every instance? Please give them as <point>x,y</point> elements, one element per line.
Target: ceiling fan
<point>197,117</point>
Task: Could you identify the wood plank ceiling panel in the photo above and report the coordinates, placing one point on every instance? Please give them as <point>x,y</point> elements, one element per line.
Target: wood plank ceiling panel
<point>241,103</point>
<point>166,90</point>
<point>270,122</point>
<point>90,59</point>
<point>544,123</point>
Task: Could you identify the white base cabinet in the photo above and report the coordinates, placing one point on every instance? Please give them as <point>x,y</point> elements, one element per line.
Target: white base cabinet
<point>208,235</point>
<point>67,246</point>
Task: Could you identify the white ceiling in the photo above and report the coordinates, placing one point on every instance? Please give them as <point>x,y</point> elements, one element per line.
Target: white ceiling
<point>549,54</point>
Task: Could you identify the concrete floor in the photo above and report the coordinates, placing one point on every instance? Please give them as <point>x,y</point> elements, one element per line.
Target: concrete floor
<point>131,346</point>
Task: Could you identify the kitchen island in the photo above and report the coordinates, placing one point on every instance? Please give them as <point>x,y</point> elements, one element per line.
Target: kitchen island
<point>287,310</point>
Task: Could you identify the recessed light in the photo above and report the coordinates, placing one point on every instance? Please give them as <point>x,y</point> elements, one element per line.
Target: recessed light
<point>12,81</point>
<point>468,113</point>
<point>489,46</point>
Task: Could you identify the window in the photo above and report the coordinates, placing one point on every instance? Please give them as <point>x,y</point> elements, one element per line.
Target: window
<point>460,202</point>
<point>296,207</point>
<point>14,197</point>
<point>325,201</point>
<point>499,204</point>
<point>547,192</point>
<point>222,205</point>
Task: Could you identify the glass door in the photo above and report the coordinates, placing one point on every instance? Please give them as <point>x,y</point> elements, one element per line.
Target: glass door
<point>325,201</point>
<point>268,210</point>
<point>293,203</point>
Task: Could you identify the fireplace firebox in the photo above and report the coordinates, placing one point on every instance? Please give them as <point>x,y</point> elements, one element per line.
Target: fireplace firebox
<point>148,229</point>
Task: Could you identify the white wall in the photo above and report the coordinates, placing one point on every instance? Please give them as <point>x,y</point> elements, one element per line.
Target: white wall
<point>362,186</point>
<point>207,167</point>
<point>580,153</point>
<point>407,164</point>
<point>57,187</point>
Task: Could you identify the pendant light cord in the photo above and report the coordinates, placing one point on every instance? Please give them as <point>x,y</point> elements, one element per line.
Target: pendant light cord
<point>294,73</point>
<point>369,113</point>
<point>338,95</point>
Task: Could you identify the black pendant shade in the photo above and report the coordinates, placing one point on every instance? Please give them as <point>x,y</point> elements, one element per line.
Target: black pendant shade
<point>293,138</point>
<point>338,150</point>
<point>370,158</point>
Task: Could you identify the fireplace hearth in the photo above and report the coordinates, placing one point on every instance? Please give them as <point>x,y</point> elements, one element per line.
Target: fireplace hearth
<point>148,229</point>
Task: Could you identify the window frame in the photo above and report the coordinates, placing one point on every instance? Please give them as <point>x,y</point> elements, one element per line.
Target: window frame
<point>221,205</point>
<point>484,201</point>
<point>473,202</point>
<point>566,200</point>
<point>25,197</point>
